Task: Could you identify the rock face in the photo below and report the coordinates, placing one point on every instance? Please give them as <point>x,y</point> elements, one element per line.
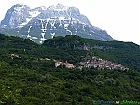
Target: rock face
<point>18,16</point>
<point>43,23</point>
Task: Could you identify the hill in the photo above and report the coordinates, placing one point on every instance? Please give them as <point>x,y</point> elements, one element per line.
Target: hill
<point>126,53</point>
<point>27,77</point>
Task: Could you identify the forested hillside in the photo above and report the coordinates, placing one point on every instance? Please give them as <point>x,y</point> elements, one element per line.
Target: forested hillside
<point>27,79</point>
<point>126,53</point>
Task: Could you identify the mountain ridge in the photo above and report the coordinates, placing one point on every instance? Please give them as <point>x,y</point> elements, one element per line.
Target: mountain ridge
<point>42,23</point>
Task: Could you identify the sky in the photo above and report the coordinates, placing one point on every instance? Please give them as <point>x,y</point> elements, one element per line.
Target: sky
<point>120,18</point>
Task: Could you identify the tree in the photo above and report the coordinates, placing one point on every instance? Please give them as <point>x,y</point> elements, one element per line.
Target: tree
<point>8,96</point>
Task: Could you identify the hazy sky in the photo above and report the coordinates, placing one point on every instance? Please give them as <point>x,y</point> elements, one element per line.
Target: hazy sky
<point>120,18</point>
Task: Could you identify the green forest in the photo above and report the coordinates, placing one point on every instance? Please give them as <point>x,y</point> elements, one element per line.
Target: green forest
<point>25,79</point>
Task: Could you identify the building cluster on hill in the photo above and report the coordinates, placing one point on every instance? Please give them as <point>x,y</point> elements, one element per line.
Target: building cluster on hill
<point>94,61</point>
<point>58,63</point>
<point>99,63</point>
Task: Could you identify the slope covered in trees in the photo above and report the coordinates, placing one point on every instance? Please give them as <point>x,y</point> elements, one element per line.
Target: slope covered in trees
<point>126,53</point>
<point>27,80</point>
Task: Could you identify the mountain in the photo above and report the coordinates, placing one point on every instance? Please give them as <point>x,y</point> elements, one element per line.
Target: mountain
<point>18,16</point>
<point>28,74</point>
<point>42,23</point>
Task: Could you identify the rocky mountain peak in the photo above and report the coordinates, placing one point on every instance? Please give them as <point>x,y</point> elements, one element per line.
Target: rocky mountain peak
<point>60,6</point>
<point>15,16</point>
<point>20,6</point>
<point>43,23</point>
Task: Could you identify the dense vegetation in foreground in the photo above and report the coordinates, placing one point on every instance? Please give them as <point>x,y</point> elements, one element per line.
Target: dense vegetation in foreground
<point>25,79</point>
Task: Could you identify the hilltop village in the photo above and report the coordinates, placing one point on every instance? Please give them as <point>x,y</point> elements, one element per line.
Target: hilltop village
<point>101,64</point>
<point>94,61</point>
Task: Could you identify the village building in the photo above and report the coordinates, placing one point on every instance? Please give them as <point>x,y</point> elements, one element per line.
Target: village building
<point>57,63</point>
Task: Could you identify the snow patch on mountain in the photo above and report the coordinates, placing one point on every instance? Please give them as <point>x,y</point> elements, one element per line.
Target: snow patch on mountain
<point>24,23</point>
<point>34,13</point>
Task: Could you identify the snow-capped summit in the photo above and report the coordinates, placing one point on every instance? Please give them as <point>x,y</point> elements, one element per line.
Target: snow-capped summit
<point>42,23</point>
<point>64,12</point>
<point>18,16</point>
<point>60,6</point>
<point>57,7</point>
